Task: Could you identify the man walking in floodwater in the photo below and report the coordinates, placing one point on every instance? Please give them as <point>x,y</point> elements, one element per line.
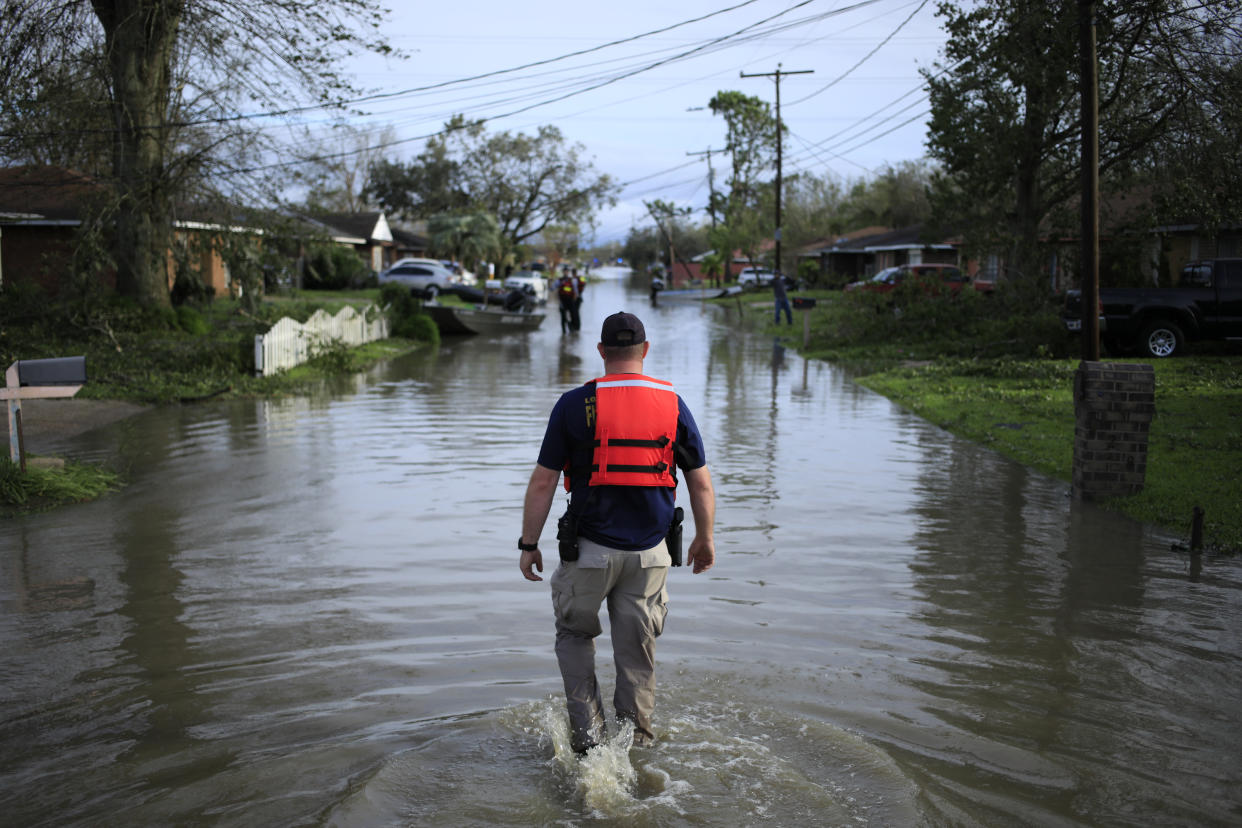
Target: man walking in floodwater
<point>619,439</point>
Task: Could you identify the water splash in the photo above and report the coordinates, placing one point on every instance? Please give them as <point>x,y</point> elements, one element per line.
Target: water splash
<point>604,777</point>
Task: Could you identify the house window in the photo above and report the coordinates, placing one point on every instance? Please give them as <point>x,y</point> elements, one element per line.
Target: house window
<point>991,267</point>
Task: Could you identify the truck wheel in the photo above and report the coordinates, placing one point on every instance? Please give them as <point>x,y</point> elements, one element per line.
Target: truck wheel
<point>1161,339</point>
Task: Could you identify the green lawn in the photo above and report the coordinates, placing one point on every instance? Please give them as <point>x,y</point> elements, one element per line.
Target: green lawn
<point>1021,404</point>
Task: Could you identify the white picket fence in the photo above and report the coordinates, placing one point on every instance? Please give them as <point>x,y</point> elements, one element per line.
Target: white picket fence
<point>289,342</point>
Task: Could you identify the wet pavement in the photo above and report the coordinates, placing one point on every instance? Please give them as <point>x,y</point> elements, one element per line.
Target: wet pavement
<point>309,611</point>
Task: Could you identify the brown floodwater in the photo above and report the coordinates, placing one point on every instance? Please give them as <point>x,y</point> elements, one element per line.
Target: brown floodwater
<point>309,612</point>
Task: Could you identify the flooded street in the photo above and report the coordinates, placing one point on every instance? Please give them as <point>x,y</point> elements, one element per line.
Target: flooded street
<point>309,612</point>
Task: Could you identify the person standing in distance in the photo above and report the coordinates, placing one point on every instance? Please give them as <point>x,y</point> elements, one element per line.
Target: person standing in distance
<point>619,439</point>
<point>782,298</point>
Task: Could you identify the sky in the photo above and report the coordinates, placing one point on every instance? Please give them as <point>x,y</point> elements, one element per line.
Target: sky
<point>639,107</point>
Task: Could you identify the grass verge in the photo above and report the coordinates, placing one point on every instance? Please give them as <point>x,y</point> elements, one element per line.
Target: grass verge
<point>1012,390</point>
<point>43,487</point>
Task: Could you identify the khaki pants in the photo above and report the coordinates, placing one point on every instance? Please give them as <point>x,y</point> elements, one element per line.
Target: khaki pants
<point>637,604</point>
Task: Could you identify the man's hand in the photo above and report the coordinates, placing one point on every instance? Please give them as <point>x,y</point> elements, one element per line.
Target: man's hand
<point>535,558</point>
<point>702,553</point>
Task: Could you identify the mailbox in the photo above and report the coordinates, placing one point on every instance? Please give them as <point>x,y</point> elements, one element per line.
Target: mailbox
<point>60,371</point>
<point>32,379</point>
<point>803,302</point>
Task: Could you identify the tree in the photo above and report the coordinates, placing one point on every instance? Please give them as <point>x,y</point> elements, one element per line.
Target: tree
<point>1005,115</point>
<point>897,197</point>
<point>468,239</point>
<point>643,246</point>
<point>813,209</point>
<point>750,141</point>
<point>339,172</point>
<point>177,79</point>
<point>430,185</point>
<point>527,182</point>
<point>713,266</point>
<point>562,241</point>
<point>1195,168</point>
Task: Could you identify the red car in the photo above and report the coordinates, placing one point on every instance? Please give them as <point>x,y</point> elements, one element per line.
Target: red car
<point>951,276</point>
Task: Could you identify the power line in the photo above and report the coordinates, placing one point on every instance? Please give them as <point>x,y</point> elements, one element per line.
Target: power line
<point>415,90</point>
<point>865,58</point>
<point>779,143</point>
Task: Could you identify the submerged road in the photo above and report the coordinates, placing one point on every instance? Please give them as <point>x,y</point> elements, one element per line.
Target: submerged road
<point>309,611</point>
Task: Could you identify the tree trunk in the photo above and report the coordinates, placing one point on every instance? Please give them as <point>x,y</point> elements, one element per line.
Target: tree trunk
<point>1029,208</point>
<point>139,36</point>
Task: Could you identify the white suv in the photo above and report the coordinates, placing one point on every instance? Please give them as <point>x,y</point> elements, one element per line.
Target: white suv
<point>421,276</point>
<point>755,277</point>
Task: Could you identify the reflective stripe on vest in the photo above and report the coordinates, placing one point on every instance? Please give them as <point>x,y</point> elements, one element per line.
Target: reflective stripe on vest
<point>635,426</point>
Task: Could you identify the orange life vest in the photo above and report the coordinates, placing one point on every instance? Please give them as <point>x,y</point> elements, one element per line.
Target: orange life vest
<point>635,426</point>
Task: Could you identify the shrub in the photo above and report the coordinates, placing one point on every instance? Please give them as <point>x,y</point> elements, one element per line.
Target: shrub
<point>191,321</point>
<point>420,327</point>
<point>405,315</point>
<point>190,289</point>
<point>333,267</point>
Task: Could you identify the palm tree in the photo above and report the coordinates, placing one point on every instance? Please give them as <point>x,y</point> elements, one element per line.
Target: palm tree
<point>712,266</point>
<point>468,238</point>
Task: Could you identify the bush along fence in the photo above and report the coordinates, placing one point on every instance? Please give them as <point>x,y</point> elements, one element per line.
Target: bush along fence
<point>289,342</point>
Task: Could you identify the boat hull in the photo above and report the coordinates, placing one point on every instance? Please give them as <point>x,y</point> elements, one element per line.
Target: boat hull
<point>458,320</point>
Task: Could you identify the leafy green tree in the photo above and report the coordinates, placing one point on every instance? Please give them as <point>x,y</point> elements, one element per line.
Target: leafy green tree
<point>468,239</point>
<point>1005,108</point>
<point>527,182</point>
<point>897,197</point>
<point>1195,169</point>
<point>429,185</point>
<point>750,141</point>
<point>644,244</point>
<point>562,241</point>
<point>814,208</point>
<point>713,266</point>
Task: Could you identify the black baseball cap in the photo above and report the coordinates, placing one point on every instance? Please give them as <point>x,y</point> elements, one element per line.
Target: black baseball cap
<point>622,329</point>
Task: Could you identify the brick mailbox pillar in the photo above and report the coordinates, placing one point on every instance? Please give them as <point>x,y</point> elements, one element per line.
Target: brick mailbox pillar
<point>1114,403</point>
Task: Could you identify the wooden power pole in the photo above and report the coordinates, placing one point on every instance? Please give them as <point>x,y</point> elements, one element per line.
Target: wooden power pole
<point>1090,181</point>
<point>779,143</point>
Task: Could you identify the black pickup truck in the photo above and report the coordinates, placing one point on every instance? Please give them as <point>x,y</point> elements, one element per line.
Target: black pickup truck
<point>1158,322</point>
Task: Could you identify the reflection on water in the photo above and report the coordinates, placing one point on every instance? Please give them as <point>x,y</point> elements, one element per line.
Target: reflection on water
<point>309,611</point>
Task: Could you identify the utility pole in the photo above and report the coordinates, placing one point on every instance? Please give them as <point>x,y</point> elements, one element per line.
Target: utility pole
<point>711,204</point>
<point>780,140</point>
<point>1089,71</point>
<point>711,182</point>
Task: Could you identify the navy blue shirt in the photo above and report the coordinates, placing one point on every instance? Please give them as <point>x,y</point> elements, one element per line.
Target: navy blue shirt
<point>620,517</point>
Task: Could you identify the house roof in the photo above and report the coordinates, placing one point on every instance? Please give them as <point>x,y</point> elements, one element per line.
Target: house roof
<point>829,243</point>
<point>868,240</point>
<point>408,239</point>
<point>39,194</point>
<point>369,226</point>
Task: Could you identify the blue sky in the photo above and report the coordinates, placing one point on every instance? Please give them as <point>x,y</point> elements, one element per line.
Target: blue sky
<point>862,108</point>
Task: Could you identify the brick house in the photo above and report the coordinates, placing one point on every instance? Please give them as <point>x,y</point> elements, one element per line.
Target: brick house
<point>41,213</point>
<point>864,252</point>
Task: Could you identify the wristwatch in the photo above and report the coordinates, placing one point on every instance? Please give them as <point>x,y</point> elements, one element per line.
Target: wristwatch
<point>527,547</point>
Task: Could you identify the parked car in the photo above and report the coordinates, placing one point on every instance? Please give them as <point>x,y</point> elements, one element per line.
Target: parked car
<point>755,277</point>
<point>535,280</point>
<point>424,277</point>
<point>950,276</point>
<point>1158,322</point>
